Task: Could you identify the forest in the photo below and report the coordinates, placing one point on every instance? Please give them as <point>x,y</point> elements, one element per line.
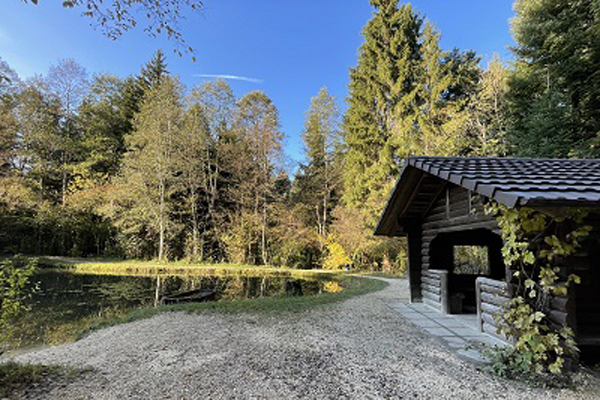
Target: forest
<point>142,167</point>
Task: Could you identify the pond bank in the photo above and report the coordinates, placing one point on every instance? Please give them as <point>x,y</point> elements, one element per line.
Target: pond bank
<point>68,302</point>
<point>137,268</point>
<point>359,348</point>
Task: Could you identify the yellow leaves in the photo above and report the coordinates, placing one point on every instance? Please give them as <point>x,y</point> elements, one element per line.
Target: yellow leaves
<point>332,287</point>
<point>561,291</point>
<point>336,255</point>
<point>574,278</point>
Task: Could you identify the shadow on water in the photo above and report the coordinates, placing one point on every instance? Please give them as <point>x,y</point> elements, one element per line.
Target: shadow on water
<point>67,302</point>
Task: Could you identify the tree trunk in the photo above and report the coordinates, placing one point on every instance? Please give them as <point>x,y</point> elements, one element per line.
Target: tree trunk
<point>264,236</point>
<point>161,223</point>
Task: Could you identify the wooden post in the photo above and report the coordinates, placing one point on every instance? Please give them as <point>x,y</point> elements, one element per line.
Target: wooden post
<point>414,262</point>
<point>444,295</point>
<point>478,300</point>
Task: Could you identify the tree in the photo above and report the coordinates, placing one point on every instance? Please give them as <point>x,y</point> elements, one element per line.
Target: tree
<point>67,82</point>
<point>382,91</point>
<point>556,73</point>
<point>319,180</point>
<point>208,162</point>
<point>149,174</point>
<point>15,276</point>
<point>154,72</point>
<point>40,149</point>
<point>193,162</point>
<point>259,152</point>
<point>104,125</point>
<point>119,16</point>
<point>9,81</point>
<point>446,86</point>
<point>486,127</point>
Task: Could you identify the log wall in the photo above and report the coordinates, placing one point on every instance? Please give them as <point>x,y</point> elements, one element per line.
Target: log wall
<point>493,296</point>
<point>454,210</point>
<point>434,289</point>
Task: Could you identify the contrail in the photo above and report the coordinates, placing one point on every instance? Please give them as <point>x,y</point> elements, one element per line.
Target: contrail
<point>233,77</point>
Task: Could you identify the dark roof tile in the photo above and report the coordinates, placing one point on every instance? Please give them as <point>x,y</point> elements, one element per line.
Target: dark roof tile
<point>519,180</point>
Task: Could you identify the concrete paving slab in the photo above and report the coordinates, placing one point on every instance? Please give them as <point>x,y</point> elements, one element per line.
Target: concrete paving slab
<point>449,323</point>
<point>439,331</point>
<point>464,331</point>
<point>456,332</point>
<point>425,323</point>
<point>455,342</point>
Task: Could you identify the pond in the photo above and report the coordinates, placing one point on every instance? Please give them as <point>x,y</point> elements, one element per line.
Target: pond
<point>66,303</point>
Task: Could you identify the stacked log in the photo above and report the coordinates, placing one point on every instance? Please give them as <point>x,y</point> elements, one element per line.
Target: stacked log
<point>493,297</point>
<point>434,288</point>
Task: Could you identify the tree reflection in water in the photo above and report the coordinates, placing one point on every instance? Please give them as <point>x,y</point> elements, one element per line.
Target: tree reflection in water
<point>68,302</point>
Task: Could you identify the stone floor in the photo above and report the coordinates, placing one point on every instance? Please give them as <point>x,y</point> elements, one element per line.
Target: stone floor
<point>458,332</point>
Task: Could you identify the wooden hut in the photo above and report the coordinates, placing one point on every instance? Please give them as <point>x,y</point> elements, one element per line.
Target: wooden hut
<point>454,248</point>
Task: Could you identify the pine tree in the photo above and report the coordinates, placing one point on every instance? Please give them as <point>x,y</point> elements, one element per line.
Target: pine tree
<point>557,57</point>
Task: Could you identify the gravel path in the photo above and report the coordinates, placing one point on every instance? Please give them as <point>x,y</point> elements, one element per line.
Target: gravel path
<point>358,349</point>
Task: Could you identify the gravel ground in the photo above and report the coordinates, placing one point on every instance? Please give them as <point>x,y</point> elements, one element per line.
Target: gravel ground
<point>358,349</point>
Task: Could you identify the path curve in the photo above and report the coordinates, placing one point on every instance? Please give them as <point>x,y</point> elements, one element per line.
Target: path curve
<point>356,349</point>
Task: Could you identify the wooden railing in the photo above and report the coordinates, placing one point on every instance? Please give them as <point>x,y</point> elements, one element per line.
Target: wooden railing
<point>434,288</point>
<point>493,297</point>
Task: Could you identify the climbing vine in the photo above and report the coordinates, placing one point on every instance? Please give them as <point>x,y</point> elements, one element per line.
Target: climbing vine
<point>537,246</point>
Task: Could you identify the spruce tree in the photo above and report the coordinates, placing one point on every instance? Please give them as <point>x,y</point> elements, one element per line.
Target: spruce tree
<point>154,72</point>
<point>557,65</point>
<point>382,90</point>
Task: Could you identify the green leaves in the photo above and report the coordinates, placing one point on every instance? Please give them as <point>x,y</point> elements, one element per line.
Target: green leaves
<point>14,280</point>
<point>536,247</point>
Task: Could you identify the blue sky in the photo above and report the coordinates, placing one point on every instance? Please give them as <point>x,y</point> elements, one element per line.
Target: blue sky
<point>289,48</point>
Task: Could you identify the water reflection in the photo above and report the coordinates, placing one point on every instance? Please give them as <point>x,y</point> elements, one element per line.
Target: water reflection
<point>68,302</point>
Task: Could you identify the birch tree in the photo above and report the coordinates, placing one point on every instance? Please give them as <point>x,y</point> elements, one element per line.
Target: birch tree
<point>149,171</point>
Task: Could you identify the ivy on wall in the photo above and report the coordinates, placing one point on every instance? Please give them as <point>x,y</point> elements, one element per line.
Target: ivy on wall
<point>537,246</point>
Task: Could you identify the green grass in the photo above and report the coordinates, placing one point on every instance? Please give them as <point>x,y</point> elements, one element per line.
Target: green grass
<point>354,286</point>
<point>16,377</point>
<point>389,275</point>
<point>145,268</point>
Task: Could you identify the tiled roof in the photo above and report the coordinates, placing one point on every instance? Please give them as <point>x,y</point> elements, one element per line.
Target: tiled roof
<point>520,181</point>
<point>511,181</point>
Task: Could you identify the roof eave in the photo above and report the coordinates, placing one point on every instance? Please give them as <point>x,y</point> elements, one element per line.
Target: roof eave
<point>397,203</point>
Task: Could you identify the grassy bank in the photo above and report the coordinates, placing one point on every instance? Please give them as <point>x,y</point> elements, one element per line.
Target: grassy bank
<point>37,328</point>
<point>147,268</point>
<point>353,286</point>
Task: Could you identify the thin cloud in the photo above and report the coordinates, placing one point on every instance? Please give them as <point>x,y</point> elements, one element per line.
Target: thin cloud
<point>232,77</point>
